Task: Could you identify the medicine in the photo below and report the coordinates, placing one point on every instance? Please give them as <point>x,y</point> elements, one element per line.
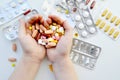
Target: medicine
<point>109,16</point>
<point>102,25</point>
<point>13,4</point>
<point>93,5</point>
<point>51,44</point>
<point>113,19</point>
<point>104,13</point>
<point>117,22</point>
<point>87,2</point>
<point>115,35</point>
<point>12,59</point>
<point>81,26</point>
<point>34,34</point>
<point>89,22</point>
<point>14,47</point>
<point>111,31</point>
<point>48,32</point>
<point>85,14</point>
<point>92,30</point>
<point>13,65</point>
<point>107,28</point>
<point>77,18</point>
<point>51,68</point>
<point>30,27</point>
<point>84,33</point>
<point>98,22</point>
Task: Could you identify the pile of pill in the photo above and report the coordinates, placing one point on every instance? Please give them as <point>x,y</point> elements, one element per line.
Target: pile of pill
<point>47,36</point>
<point>13,9</point>
<point>84,54</point>
<point>109,24</point>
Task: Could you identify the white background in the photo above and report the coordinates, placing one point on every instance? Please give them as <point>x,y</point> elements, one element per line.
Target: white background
<point>107,67</point>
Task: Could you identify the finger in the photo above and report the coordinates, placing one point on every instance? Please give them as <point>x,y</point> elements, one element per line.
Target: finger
<point>56,19</point>
<point>22,29</point>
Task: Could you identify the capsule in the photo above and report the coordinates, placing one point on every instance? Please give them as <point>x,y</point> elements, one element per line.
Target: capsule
<point>48,32</point>
<point>51,44</point>
<point>87,2</point>
<point>117,22</point>
<point>93,5</point>
<point>113,19</point>
<point>116,34</point>
<point>37,26</point>
<point>98,22</point>
<point>34,34</point>
<point>102,25</point>
<point>111,31</point>
<point>104,12</point>
<point>109,16</point>
<point>107,28</point>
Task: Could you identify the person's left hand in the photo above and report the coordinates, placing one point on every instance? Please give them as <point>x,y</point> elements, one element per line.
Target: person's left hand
<point>31,48</point>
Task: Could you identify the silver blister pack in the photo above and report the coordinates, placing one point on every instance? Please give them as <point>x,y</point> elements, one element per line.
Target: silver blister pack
<point>13,9</point>
<point>11,30</point>
<point>80,15</point>
<point>84,54</point>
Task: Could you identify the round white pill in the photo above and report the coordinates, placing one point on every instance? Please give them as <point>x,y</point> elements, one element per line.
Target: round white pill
<point>84,33</point>
<point>85,14</point>
<point>13,4</point>
<point>81,26</point>
<point>92,30</point>
<point>89,22</point>
<point>20,1</point>
<point>77,18</point>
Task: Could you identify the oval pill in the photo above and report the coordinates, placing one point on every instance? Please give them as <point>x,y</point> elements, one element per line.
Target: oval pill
<point>113,19</point>
<point>14,47</point>
<point>102,25</point>
<point>111,31</point>
<point>12,59</point>
<point>48,32</point>
<point>98,22</point>
<point>109,15</point>
<point>115,35</point>
<point>117,22</point>
<point>34,34</point>
<point>93,5</point>
<point>85,14</point>
<point>107,28</point>
<point>104,12</point>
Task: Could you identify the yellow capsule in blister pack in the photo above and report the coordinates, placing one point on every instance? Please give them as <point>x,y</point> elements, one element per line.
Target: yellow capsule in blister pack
<point>113,19</point>
<point>98,22</point>
<point>107,28</point>
<point>116,34</point>
<point>117,22</point>
<point>111,31</point>
<point>104,12</point>
<point>109,15</point>
<point>102,25</point>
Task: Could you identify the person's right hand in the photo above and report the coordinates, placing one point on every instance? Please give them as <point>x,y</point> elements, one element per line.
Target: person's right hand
<point>62,50</point>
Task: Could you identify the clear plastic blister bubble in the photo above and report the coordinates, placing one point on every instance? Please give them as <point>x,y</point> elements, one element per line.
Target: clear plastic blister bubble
<point>84,54</point>
<point>11,31</point>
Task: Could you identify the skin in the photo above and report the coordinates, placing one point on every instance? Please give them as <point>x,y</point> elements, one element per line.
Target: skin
<point>34,54</point>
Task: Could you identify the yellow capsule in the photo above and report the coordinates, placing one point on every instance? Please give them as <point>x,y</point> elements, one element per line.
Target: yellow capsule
<point>113,19</point>
<point>116,34</point>
<point>30,27</point>
<point>98,22</point>
<point>55,41</point>
<point>54,24</point>
<point>13,65</point>
<point>66,12</point>
<point>107,28</point>
<point>117,22</point>
<point>50,39</point>
<point>102,25</point>
<point>104,12</point>
<point>111,31</point>
<point>76,35</point>
<point>109,15</point>
<point>51,68</point>
<point>59,9</point>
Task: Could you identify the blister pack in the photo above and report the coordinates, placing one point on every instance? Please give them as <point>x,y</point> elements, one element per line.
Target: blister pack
<point>84,54</point>
<point>13,9</point>
<point>81,16</point>
<point>11,31</point>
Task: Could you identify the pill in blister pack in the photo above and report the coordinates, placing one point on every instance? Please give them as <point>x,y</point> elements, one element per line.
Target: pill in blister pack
<point>11,31</point>
<point>13,9</point>
<point>84,54</point>
<point>84,23</point>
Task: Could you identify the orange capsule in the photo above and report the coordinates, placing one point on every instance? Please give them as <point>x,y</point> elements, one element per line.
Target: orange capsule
<point>37,26</point>
<point>48,32</point>
<point>51,44</point>
<point>34,34</point>
<point>42,28</point>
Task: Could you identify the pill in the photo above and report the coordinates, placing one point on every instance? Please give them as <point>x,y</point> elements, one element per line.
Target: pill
<point>93,5</point>
<point>87,2</point>
<point>66,11</point>
<point>102,25</point>
<point>115,35</point>
<point>38,36</point>
<point>82,6</point>
<point>77,18</point>
<point>48,32</point>
<point>89,22</point>
<point>51,44</point>
<point>113,19</point>
<point>117,22</point>
<point>107,28</point>
<point>12,59</point>
<point>14,47</point>
<point>85,14</point>
<point>20,1</point>
<point>104,12</point>
<point>40,41</point>
<point>42,28</point>
<point>33,28</point>
<point>76,58</point>
<point>111,31</point>
<point>98,22</point>
<point>13,4</point>
<point>76,35</point>
<point>61,30</point>
<point>109,15</point>
<point>51,67</point>
<point>54,24</point>
<point>81,26</point>
<point>35,33</point>
<point>50,39</point>
<point>92,30</point>
<point>13,65</point>
<point>84,33</point>
<point>74,9</point>
<point>30,27</point>
<point>37,26</point>
<point>53,28</point>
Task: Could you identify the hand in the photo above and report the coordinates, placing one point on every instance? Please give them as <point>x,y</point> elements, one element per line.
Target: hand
<point>30,47</point>
<point>62,50</point>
